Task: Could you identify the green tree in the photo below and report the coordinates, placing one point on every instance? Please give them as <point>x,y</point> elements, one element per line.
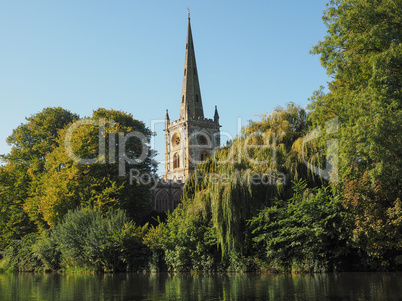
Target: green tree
<point>362,51</point>
<point>187,240</point>
<point>30,143</point>
<point>69,182</point>
<point>269,150</point>
<point>14,221</point>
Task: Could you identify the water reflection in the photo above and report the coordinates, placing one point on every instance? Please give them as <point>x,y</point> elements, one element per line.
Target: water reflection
<point>342,286</point>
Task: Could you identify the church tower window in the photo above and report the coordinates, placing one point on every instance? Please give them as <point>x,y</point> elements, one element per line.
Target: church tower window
<point>176,161</point>
<point>202,139</point>
<point>176,140</point>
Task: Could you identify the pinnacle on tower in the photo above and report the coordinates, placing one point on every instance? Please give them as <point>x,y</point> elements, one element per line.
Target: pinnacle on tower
<point>191,102</point>
<point>216,115</point>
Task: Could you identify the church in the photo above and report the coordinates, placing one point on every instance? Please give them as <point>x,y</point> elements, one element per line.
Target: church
<point>188,140</point>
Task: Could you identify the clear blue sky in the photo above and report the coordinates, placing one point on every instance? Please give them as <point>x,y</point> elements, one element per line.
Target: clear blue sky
<point>129,55</point>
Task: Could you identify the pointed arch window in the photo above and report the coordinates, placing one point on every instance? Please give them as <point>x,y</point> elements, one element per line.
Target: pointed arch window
<point>176,199</point>
<point>176,161</point>
<point>162,201</point>
<point>182,98</point>
<point>196,98</point>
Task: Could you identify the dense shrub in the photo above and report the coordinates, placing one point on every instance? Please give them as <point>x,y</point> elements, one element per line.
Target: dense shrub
<point>112,242</point>
<point>85,240</point>
<point>20,255</point>
<point>306,233</point>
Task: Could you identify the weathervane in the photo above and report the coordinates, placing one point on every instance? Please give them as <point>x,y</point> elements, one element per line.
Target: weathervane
<point>188,11</point>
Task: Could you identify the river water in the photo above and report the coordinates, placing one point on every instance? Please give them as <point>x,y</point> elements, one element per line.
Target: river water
<point>340,286</point>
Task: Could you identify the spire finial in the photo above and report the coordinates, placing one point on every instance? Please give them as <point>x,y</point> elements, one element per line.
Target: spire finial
<point>188,11</point>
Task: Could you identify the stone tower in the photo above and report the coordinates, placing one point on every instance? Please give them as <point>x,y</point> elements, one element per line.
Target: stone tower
<point>191,138</point>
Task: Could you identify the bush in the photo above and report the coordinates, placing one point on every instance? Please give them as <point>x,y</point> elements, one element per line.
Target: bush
<point>90,240</point>
<point>20,255</point>
<point>85,240</point>
<point>46,249</point>
<point>306,234</point>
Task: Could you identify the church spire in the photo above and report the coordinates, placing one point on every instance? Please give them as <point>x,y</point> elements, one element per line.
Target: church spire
<point>191,103</point>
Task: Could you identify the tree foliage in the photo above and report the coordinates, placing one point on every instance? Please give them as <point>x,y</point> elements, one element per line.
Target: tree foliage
<point>30,144</point>
<point>32,141</point>
<point>68,184</point>
<point>306,233</point>
<point>363,53</point>
<point>84,240</point>
<point>42,180</point>
<point>112,242</point>
<point>14,221</point>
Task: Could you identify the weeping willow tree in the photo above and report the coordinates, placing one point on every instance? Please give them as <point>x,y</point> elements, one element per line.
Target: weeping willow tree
<point>229,189</point>
<point>256,170</point>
